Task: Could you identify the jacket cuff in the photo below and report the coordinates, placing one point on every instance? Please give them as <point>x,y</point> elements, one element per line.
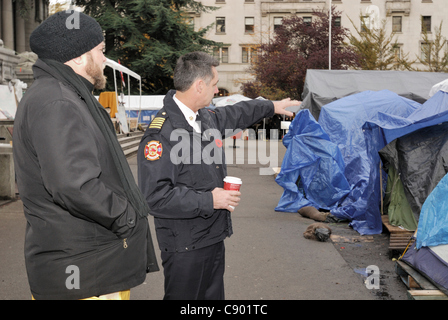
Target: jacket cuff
<point>206,205</point>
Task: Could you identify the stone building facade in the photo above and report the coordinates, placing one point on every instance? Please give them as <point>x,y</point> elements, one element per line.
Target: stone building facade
<point>15,32</point>
<point>239,24</point>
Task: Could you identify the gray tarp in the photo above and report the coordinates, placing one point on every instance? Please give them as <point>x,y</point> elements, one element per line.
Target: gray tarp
<point>324,86</point>
<point>421,160</point>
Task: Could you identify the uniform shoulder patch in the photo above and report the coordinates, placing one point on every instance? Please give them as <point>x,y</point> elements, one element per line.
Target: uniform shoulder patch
<point>153,150</point>
<point>157,123</point>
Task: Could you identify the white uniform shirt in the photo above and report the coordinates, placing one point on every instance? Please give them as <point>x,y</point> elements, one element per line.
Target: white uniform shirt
<point>189,114</point>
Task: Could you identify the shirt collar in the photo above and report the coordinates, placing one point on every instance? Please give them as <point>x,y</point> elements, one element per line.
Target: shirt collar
<point>189,114</point>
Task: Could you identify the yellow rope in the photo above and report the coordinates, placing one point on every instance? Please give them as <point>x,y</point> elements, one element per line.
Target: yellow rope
<point>409,244</point>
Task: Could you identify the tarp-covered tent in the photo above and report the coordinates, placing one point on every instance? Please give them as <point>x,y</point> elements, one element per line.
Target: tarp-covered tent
<point>433,224</point>
<point>416,163</point>
<point>417,147</point>
<point>361,125</point>
<point>429,254</point>
<point>312,172</point>
<point>324,86</point>
<point>343,120</point>
<point>432,262</point>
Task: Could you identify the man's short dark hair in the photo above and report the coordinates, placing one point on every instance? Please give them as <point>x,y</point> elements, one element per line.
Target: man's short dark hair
<point>193,66</point>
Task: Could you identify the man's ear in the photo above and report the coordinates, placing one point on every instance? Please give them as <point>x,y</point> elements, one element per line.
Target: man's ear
<point>199,85</point>
<point>78,64</point>
<point>79,60</point>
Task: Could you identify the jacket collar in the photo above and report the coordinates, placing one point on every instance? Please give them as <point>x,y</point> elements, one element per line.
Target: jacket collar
<point>177,118</point>
<point>41,69</point>
<point>174,113</point>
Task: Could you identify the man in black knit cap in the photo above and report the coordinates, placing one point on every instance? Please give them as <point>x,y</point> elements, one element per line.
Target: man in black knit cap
<point>87,233</point>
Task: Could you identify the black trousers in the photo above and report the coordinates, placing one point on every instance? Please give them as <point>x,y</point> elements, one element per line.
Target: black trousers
<point>196,274</point>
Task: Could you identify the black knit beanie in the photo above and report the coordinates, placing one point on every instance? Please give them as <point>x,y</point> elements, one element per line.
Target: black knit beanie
<point>66,35</point>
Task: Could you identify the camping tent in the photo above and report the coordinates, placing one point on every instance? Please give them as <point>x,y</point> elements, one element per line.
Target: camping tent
<point>415,163</point>
<point>312,172</point>
<point>429,254</point>
<point>443,86</point>
<point>229,100</point>
<point>361,125</point>
<point>118,67</point>
<point>144,107</point>
<point>417,147</point>
<point>324,86</point>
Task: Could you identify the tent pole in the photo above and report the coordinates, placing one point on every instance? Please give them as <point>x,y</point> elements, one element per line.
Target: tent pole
<point>329,38</point>
<point>140,104</point>
<point>116,95</point>
<point>129,103</point>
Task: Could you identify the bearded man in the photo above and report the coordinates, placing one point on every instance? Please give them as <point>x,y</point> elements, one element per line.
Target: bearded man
<point>87,234</point>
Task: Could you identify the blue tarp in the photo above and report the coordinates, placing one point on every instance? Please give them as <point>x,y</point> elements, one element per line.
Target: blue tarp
<point>360,125</point>
<point>318,162</point>
<point>433,223</point>
<point>144,116</point>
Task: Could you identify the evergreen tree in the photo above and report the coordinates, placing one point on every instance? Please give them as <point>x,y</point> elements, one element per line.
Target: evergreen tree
<point>378,50</point>
<point>434,52</point>
<point>148,36</point>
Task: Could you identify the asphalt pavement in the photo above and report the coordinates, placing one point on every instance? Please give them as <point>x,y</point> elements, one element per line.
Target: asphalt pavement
<point>267,257</point>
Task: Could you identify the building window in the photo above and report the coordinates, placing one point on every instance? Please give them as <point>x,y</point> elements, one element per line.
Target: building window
<point>222,93</point>
<point>425,51</point>
<point>426,23</point>
<point>221,54</point>
<point>397,52</point>
<point>396,23</point>
<point>277,22</point>
<point>307,20</point>
<point>337,22</point>
<point>250,54</point>
<point>365,23</point>
<point>249,24</point>
<point>225,55</point>
<point>220,25</point>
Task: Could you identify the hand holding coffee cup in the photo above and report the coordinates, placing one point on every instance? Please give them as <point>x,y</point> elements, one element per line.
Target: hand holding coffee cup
<point>232,183</point>
<point>229,197</point>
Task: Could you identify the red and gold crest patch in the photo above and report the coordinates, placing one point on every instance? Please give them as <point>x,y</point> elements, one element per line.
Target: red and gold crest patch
<point>153,150</point>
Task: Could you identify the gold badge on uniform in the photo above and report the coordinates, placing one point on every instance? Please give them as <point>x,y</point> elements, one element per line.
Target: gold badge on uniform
<point>153,150</point>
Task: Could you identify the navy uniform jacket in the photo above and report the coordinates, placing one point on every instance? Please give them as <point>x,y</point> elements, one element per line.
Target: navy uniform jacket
<point>178,169</point>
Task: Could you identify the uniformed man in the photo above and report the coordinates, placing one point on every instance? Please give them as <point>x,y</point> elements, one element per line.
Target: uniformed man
<point>181,171</point>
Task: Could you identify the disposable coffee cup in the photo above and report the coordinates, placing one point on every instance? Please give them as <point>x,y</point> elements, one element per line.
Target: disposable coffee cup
<point>232,183</point>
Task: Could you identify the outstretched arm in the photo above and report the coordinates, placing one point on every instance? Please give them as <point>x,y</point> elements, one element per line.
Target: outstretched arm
<point>280,106</point>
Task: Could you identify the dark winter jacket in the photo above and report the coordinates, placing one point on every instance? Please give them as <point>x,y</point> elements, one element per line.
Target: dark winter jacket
<point>79,221</point>
<point>178,169</point>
